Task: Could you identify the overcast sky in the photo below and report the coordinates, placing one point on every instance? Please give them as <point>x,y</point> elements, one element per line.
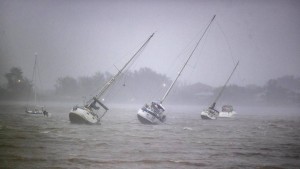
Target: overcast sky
<point>79,38</point>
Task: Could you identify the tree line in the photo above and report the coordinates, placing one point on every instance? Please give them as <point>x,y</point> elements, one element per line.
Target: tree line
<point>145,85</point>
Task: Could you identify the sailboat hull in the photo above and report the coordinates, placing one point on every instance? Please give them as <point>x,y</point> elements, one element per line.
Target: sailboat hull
<point>34,111</point>
<point>147,118</point>
<point>224,114</point>
<point>79,115</point>
<point>30,109</point>
<point>227,111</point>
<point>209,114</point>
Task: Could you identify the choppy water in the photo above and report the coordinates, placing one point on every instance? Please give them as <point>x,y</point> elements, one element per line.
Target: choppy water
<point>266,139</point>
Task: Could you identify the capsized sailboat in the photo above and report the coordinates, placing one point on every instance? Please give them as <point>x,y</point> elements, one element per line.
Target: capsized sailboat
<point>35,108</point>
<point>87,114</point>
<point>211,113</point>
<point>154,113</point>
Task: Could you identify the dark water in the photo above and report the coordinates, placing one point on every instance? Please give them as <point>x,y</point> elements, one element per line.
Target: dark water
<point>255,138</point>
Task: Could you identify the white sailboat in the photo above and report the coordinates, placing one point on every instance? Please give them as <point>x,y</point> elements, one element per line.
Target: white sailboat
<point>87,114</point>
<point>154,113</point>
<point>35,108</point>
<point>211,113</point>
<point>227,111</point>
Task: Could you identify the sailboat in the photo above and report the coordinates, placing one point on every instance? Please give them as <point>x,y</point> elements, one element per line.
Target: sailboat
<point>35,108</point>
<point>211,113</point>
<point>154,113</point>
<point>87,114</point>
<point>227,111</point>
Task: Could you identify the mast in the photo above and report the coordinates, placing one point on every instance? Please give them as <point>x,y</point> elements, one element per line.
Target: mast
<point>34,79</point>
<point>112,80</point>
<point>214,103</point>
<point>168,91</point>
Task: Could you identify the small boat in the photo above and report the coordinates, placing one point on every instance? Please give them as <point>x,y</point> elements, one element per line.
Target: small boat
<point>35,108</point>
<point>87,114</point>
<point>211,113</point>
<point>154,113</point>
<point>227,111</point>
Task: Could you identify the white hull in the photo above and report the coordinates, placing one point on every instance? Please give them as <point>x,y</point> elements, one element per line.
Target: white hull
<point>147,118</point>
<point>34,111</point>
<point>81,115</point>
<point>227,114</point>
<point>209,115</point>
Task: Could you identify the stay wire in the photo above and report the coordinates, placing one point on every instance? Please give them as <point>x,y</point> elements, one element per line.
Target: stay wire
<point>178,57</point>
<point>200,51</point>
<point>230,48</point>
<point>227,42</point>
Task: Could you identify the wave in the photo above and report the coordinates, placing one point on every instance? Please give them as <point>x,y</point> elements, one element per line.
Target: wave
<point>145,161</point>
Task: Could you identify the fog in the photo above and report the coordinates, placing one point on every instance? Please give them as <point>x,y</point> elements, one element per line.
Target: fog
<point>79,38</point>
<point>81,44</point>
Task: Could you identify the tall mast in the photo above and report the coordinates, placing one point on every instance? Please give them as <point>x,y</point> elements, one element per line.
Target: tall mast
<point>217,98</point>
<point>168,91</point>
<point>34,79</point>
<point>112,80</point>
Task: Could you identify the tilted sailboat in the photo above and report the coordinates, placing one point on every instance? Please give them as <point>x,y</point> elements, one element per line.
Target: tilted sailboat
<point>154,113</point>
<point>35,108</point>
<point>211,113</point>
<point>87,114</point>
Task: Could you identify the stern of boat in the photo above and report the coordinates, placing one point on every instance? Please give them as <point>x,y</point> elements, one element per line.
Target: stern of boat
<point>209,114</point>
<point>146,117</point>
<point>79,115</point>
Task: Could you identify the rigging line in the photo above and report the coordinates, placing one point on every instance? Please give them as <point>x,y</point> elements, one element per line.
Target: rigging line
<point>113,90</point>
<point>39,76</point>
<point>98,86</point>
<point>116,59</point>
<point>131,64</point>
<point>179,56</point>
<point>227,42</point>
<point>131,90</point>
<point>112,80</point>
<point>29,94</point>
<point>34,79</point>
<point>183,52</point>
<point>200,51</point>
<point>137,54</point>
<point>129,54</point>
<point>222,89</point>
<point>154,94</point>
<point>33,72</point>
<point>106,77</point>
<point>191,54</point>
<point>190,46</point>
<point>38,80</point>
<point>230,49</point>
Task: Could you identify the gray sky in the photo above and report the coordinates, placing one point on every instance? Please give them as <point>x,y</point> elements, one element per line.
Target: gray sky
<point>79,38</point>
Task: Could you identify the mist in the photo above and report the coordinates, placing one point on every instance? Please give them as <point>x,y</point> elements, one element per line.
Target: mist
<point>75,113</point>
<point>79,38</point>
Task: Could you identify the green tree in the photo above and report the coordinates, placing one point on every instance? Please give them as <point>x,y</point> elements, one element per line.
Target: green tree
<point>67,86</point>
<point>17,84</point>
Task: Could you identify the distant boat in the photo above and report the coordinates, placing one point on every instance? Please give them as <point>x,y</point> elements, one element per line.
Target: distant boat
<point>154,113</point>
<point>35,108</point>
<point>87,114</point>
<point>211,113</point>
<point>227,111</point>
